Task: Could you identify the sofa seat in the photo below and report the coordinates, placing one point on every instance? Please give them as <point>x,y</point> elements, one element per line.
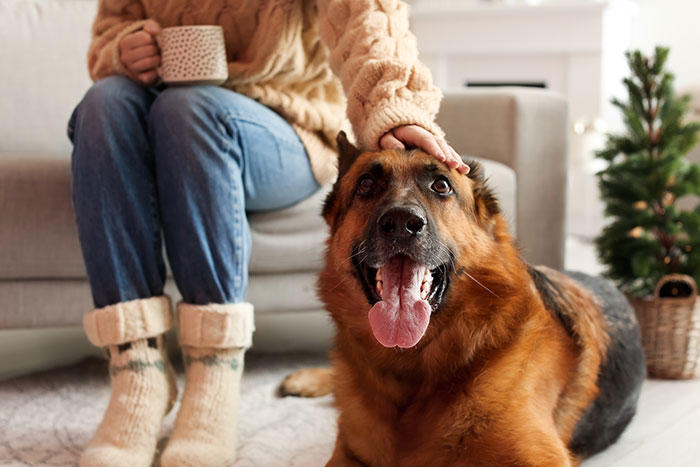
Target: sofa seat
<point>284,240</point>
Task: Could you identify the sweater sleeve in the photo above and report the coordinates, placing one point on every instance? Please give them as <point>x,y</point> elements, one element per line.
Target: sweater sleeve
<point>375,56</point>
<point>115,19</point>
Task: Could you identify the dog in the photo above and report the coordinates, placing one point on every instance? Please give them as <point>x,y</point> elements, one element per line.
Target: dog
<point>449,348</point>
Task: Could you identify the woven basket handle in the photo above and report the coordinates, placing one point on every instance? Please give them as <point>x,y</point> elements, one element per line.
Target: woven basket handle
<point>678,278</point>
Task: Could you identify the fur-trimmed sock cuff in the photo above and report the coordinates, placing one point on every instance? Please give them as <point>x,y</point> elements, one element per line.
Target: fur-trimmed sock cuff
<point>128,321</point>
<point>219,326</point>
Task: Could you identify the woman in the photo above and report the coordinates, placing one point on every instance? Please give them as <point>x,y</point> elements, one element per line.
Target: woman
<point>189,162</point>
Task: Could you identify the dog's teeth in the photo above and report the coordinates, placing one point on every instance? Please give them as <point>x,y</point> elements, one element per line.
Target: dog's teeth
<point>379,274</point>
<point>380,287</point>
<point>427,280</point>
<point>424,294</point>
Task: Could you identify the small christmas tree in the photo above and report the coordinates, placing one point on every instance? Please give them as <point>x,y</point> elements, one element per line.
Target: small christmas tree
<point>649,236</point>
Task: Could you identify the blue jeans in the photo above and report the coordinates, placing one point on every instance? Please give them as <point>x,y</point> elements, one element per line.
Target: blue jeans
<point>187,162</point>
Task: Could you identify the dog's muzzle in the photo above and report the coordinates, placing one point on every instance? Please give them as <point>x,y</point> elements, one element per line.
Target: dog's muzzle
<point>404,271</point>
<point>402,223</point>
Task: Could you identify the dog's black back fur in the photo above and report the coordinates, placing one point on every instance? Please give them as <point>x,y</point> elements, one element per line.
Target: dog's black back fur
<point>623,371</point>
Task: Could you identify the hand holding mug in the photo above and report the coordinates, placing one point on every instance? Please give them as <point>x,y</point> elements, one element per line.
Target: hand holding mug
<point>140,55</point>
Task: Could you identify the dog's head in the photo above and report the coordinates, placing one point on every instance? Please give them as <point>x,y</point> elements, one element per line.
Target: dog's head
<point>404,228</point>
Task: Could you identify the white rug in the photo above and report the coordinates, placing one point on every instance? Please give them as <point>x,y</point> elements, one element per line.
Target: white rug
<point>47,418</point>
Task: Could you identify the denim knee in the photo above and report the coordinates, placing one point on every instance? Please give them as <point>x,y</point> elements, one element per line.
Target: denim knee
<point>188,120</point>
<point>180,106</point>
<point>111,99</point>
<point>113,109</point>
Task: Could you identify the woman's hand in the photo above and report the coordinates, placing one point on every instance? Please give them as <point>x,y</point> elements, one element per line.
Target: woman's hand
<point>414,136</point>
<point>140,55</point>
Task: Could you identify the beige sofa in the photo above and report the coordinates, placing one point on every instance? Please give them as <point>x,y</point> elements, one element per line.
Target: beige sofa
<point>520,134</point>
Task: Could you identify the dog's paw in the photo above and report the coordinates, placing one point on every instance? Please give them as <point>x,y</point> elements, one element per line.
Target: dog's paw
<point>312,382</point>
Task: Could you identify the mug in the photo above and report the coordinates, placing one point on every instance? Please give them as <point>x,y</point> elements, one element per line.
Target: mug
<point>192,55</point>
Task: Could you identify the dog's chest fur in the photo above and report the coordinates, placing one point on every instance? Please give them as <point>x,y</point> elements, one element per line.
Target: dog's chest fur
<point>424,419</point>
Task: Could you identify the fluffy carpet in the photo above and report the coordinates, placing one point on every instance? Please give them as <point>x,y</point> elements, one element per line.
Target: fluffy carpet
<point>47,418</point>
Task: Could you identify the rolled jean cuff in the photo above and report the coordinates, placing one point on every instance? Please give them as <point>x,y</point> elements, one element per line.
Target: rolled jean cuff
<point>128,321</point>
<point>219,326</point>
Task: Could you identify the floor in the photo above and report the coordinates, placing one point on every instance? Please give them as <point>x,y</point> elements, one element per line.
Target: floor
<point>46,418</point>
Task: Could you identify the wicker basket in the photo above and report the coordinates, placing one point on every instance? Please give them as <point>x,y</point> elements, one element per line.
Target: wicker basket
<point>670,331</point>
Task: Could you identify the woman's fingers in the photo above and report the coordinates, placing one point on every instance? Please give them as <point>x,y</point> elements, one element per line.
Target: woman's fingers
<point>135,40</point>
<point>145,64</point>
<point>152,27</point>
<point>418,137</point>
<point>389,141</point>
<point>148,77</point>
<point>447,151</point>
<point>454,161</point>
<point>139,53</point>
<point>462,167</point>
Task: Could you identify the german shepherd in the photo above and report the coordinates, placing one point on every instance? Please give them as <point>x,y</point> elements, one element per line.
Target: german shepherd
<point>451,350</point>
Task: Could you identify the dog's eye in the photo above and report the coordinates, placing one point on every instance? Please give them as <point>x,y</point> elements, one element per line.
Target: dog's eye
<point>442,186</point>
<point>365,184</point>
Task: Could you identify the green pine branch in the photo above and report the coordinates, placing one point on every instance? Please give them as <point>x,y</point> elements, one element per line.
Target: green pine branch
<point>648,235</point>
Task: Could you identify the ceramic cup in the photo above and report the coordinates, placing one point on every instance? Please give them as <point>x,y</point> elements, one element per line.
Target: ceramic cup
<point>192,55</point>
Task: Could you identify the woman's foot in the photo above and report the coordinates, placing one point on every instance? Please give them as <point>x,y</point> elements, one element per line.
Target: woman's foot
<point>143,392</point>
<point>214,338</point>
<point>206,429</point>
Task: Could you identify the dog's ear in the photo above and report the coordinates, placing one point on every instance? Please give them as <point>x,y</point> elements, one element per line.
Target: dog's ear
<point>347,153</point>
<point>485,200</point>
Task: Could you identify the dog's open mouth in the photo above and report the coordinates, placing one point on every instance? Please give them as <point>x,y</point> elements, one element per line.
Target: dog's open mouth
<point>403,294</point>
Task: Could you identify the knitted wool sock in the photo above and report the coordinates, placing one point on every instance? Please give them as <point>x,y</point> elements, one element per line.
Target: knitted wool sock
<point>214,339</point>
<point>206,429</point>
<point>143,382</point>
<point>143,391</point>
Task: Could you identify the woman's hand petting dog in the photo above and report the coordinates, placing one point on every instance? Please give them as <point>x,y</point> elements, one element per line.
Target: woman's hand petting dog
<point>414,136</point>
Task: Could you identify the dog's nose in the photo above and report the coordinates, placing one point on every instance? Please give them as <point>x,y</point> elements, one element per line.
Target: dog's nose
<point>401,222</point>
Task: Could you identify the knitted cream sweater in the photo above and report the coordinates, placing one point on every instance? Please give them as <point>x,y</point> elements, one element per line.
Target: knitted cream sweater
<point>312,61</point>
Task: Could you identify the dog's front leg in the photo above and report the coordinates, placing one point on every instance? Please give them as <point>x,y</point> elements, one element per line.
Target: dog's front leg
<point>541,449</point>
<point>343,456</point>
<point>310,382</point>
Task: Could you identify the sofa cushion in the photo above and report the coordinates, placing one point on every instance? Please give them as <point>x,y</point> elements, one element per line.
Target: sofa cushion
<point>39,240</point>
<point>33,303</point>
<point>44,72</point>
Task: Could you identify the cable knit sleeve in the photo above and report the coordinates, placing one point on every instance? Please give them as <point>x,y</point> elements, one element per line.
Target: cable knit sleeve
<point>115,19</point>
<point>375,56</point>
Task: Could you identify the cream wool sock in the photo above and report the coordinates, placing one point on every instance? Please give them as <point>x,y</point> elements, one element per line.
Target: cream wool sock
<point>143,382</point>
<point>214,339</point>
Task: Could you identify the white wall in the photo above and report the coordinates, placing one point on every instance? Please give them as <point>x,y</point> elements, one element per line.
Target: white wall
<point>676,24</point>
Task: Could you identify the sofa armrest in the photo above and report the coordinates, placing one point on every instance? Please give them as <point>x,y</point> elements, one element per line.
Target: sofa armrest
<point>525,129</point>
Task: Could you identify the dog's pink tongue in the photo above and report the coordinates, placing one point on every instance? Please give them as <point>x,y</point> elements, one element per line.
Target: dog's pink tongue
<point>402,317</point>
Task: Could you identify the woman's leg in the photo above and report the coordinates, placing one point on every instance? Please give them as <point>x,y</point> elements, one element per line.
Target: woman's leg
<point>114,196</point>
<point>218,154</point>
